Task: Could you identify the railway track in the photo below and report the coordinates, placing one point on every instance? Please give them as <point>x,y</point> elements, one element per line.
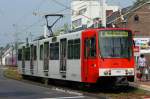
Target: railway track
<point>79,91</point>
<point>97,93</point>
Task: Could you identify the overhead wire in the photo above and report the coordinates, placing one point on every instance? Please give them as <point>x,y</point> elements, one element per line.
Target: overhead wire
<point>66,8</point>
<point>129,11</point>
<point>61,4</point>
<point>27,14</point>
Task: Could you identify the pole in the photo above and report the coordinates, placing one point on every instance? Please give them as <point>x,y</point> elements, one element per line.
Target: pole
<point>16,42</point>
<point>31,36</point>
<point>12,57</point>
<point>1,56</point>
<point>103,10</point>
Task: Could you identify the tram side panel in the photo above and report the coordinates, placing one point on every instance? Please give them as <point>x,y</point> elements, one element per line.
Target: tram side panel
<point>74,57</point>
<point>27,60</point>
<point>40,59</point>
<point>19,59</point>
<point>63,65</point>
<point>54,59</point>
<point>33,59</point>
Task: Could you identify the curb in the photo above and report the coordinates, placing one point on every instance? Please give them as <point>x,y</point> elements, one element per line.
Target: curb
<point>140,86</point>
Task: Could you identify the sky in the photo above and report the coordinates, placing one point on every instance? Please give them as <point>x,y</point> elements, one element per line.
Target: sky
<point>18,21</point>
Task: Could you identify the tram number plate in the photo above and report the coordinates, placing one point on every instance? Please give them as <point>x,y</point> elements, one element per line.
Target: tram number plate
<point>118,72</point>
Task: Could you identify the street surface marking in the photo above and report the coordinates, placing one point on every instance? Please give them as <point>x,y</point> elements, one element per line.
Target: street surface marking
<point>67,91</point>
<point>76,97</point>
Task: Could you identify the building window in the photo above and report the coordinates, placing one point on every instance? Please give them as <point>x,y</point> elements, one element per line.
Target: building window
<point>54,51</point>
<point>41,52</point>
<point>77,23</point>
<point>136,18</point>
<point>74,49</point>
<point>82,11</point>
<point>73,12</point>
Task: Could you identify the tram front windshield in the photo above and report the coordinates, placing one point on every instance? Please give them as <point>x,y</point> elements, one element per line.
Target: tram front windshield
<point>115,44</point>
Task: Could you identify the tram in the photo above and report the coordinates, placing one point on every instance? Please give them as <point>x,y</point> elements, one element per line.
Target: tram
<point>87,56</point>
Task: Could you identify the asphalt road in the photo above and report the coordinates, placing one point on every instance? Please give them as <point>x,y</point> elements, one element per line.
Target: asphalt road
<point>12,89</point>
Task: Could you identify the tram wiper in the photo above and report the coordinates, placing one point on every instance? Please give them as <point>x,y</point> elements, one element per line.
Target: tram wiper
<point>129,53</point>
<point>101,56</point>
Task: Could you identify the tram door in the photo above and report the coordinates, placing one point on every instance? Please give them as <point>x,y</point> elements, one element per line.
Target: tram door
<point>63,57</point>
<point>89,60</point>
<point>32,59</point>
<point>46,58</point>
<point>23,60</point>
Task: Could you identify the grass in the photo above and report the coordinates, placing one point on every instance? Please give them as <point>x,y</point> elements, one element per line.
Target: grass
<point>11,72</point>
<point>128,93</point>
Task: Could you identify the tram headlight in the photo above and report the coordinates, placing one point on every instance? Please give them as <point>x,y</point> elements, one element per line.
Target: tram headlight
<point>107,72</point>
<point>129,71</point>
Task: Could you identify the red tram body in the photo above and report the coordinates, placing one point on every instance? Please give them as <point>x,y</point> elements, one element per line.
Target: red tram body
<point>93,66</point>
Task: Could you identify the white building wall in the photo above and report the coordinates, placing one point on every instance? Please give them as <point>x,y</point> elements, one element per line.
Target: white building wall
<point>7,53</point>
<point>9,57</point>
<point>93,10</point>
<point>114,8</point>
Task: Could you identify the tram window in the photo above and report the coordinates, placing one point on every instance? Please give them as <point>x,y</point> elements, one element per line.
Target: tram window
<point>90,47</point>
<point>54,51</point>
<point>74,49</point>
<point>27,53</point>
<point>23,53</point>
<point>57,51</point>
<point>77,49</point>
<point>41,52</point>
<point>70,49</point>
<point>35,56</point>
<point>20,54</point>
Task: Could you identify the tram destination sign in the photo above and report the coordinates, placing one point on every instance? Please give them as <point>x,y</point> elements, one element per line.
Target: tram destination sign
<point>114,33</point>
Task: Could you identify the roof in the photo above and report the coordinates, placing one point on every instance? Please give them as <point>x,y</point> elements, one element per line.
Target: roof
<point>124,12</point>
<point>117,13</point>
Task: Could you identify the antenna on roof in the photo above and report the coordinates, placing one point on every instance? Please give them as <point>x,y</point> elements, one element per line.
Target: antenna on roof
<point>51,26</point>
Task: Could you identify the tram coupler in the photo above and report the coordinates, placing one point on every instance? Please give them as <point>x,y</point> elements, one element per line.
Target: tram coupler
<point>121,81</point>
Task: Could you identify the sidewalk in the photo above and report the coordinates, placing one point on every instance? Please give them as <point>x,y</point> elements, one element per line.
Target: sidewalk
<point>145,85</point>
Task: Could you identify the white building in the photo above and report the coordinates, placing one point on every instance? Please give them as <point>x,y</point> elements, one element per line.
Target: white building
<point>9,57</point>
<point>85,12</point>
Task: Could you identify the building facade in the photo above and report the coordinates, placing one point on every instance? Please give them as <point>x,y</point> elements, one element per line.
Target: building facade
<point>136,18</point>
<point>87,12</point>
<point>9,57</point>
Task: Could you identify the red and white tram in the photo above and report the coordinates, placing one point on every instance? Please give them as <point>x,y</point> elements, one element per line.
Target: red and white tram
<point>87,56</point>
